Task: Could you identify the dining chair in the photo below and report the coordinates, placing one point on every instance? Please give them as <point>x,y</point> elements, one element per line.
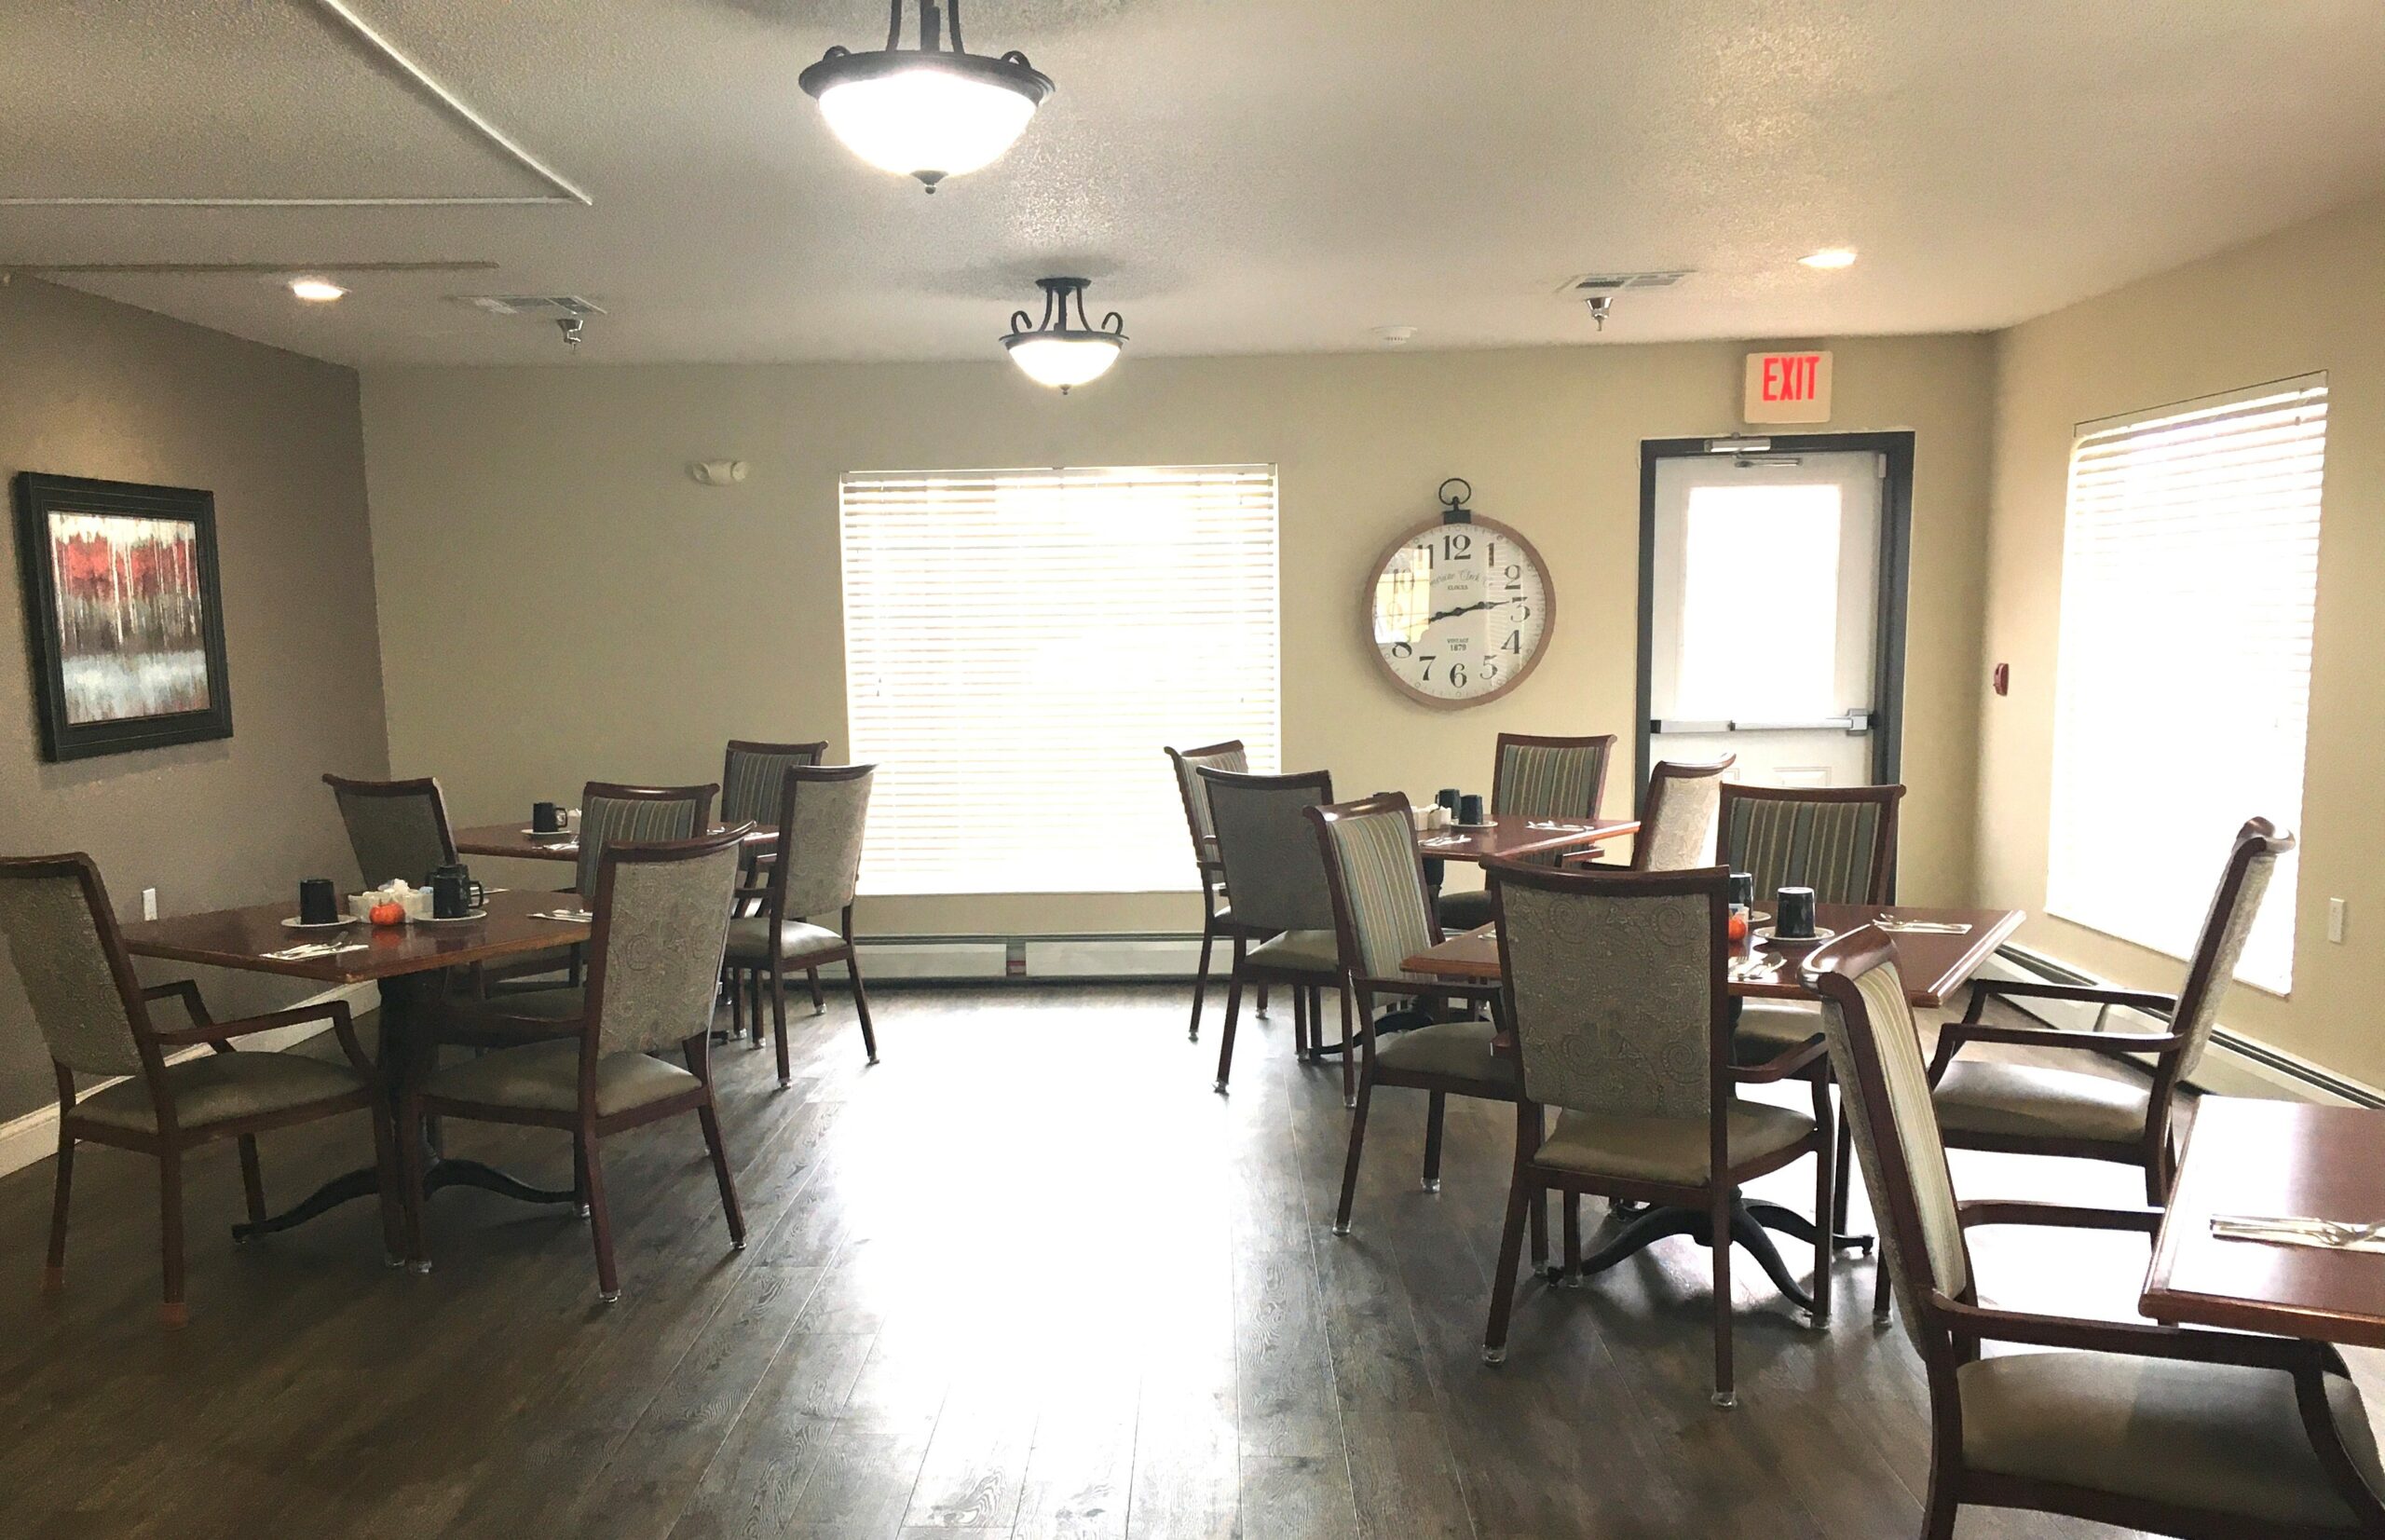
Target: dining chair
<point>1535,777</point>
<point>1281,899</point>
<point>751,773</point>
<point>1614,990</point>
<point>94,1017</point>
<point>654,961</point>
<point>2222,1435</point>
<point>1217,913</point>
<point>2033,1110</point>
<point>821,815</point>
<point>1677,816</point>
<point>1382,915</point>
<point>398,828</point>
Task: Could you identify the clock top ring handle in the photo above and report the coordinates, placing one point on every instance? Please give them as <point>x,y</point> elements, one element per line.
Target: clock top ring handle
<point>1454,509</point>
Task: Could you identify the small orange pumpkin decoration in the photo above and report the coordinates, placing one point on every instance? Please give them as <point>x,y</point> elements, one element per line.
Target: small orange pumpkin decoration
<point>387,912</point>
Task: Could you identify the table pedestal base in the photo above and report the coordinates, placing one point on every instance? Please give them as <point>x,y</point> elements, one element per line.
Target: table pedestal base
<point>1750,1225</point>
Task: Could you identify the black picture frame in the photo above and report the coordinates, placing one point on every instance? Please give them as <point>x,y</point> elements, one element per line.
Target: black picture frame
<point>97,712</point>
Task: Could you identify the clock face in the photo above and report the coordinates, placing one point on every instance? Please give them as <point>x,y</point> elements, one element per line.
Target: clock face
<point>1459,611</point>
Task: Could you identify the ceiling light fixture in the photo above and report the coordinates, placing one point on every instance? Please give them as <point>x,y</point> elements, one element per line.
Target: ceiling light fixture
<point>928,111</point>
<point>1057,353</point>
<point>316,291</point>
<point>1837,256</point>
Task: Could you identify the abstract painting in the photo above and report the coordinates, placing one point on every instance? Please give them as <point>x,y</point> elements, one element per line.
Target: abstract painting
<point>123,614</point>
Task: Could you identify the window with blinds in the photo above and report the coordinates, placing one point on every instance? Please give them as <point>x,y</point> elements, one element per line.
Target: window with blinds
<point>1018,646</point>
<point>2190,578</point>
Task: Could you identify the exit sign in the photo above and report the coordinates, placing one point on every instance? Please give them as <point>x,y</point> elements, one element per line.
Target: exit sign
<point>1788,388</point>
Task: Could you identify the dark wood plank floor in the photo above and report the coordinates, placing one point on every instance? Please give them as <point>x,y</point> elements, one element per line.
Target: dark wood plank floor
<point>1029,1277</point>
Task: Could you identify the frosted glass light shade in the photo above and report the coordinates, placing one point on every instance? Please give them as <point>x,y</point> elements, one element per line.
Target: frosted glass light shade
<point>924,117</point>
<point>1064,361</point>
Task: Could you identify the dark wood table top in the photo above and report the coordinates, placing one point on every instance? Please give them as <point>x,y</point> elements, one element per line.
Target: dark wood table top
<point>1935,964</point>
<point>2273,1160</point>
<point>1512,834</point>
<point>241,938</point>
<point>516,841</point>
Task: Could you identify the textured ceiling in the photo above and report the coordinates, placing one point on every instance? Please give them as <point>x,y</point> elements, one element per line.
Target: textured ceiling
<point>1236,176</point>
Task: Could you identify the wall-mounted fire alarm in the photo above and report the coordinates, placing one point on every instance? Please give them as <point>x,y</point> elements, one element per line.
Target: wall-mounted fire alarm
<point>2001,679</point>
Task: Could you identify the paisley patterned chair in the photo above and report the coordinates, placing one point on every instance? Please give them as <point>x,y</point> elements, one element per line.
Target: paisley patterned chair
<point>654,966</point>
<point>1535,777</point>
<point>822,813</point>
<point>1217,911</point>
<point>2140,1426</point>
<point>1280,898</point>
<point>1677,816</point>
<point>398,828</point>
<point>1614,988</point>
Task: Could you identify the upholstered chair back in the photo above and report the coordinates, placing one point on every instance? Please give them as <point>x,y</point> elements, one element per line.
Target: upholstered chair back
<point>1840,842</point>
<point>398,828</point>
<point>821,814</point>
<point>752,775</point>
<point>661,925</point>
<point>2237,903</point>
<point>1614,986</point>
<point>613,814</point>
<point>49,918</point>
<point>1549,777</point>
<point>1382,912</point>
<point>1188,764</point>
<point>1677,820</point>
<point>1273,867</point>
<point>1876,1054</point>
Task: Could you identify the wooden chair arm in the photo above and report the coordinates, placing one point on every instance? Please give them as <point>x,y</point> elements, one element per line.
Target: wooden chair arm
<point>185,990</point>
<point>1787,1064</point>
<point>2057,1214</point>
<point>2138,1338</point>
<point>1984,990</point>
<point>1462,989</point>
<point>1956,1035</point>
<point>219,1033</point>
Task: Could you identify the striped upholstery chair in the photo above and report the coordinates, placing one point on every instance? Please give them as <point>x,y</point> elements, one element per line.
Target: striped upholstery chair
<point>611,815</point>
<point>1217,917</point>
<point>751,773</point>
<point>1270,865</point>
<point>1382,916</point>
<point>398,828</point>
<point>1840,842</point>
<point>1536,777</point>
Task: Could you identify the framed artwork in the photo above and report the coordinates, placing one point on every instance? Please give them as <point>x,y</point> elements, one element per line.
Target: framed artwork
<point>123,616</point>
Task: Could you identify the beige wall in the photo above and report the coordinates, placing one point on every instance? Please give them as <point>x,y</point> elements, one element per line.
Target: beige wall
<point>2310,298</point>
<point>559,602</point>
<point>89,388</point>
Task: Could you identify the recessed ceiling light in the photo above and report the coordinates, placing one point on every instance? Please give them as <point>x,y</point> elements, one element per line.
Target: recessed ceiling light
<point>1837,256</point>
<point>317,291</point>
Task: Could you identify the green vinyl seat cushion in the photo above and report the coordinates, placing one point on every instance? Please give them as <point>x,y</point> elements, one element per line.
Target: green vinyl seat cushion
<point>749,940</point>
<point>1985,1096</point>
<point>219,1088</point>
<point>1450,1050</point>
<point>1767,1029</point>
<point>544,1077</point>
<point>1299,952</point>
<point>1667,1149</point>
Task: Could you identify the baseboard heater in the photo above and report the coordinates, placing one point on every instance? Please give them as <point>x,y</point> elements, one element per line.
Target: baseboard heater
<point>1082,959</point>
<point>2242,1066</point>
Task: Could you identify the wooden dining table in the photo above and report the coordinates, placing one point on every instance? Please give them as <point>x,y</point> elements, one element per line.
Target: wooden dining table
<point>1510,836</point>
<point>516,841</point>
<point>408,963</point>
<point>2259,1159</point>
<point>1935,965</point>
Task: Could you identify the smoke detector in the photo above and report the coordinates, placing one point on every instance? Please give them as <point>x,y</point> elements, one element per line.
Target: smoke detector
<point>543,307</point>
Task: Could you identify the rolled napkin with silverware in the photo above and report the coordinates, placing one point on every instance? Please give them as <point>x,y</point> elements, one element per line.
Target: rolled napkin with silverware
<point>2299,1229</point>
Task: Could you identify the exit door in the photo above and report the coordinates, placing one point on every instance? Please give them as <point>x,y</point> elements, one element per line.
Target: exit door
<point>1772,599</point>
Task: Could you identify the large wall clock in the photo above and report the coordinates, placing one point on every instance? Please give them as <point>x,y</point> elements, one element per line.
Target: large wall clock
<point>1459,606</point>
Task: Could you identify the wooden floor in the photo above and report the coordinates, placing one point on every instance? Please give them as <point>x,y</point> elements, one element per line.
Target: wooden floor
<point>1028,1277</point>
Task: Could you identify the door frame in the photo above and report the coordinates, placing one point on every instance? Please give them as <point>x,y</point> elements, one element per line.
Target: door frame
<point>1896,545</point>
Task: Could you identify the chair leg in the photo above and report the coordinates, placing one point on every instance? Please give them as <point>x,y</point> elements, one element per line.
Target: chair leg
<point>1436,1107</point>
<point>1825,1196</point>
<point>580,1174</point>
<point>754,1002</point>
<point>861,1006</point>
<point>736,1215</point>
<point>778,1020</point>
<point>53,1276</point>
<point>819,995</point>
<point>169,1202</point>
<point>251,1178</point>
<point>1572,1278</point>
<point>600,1225</point>
<point>1724,1396</point>
<point>410,1179</point>
<point>1841,1181</point>
<point>1502,1283</point>
<point>1938,1515</point>
<point>1350,1166</point>
<point>385,1162</point>
<point>1349,1054</point>
<point>1258,1000</point>
<point>1530,1128</point>
<point>1234,1009</point>
<point>1201,978</point>
<point>1883,1300</point>
<point>736,984</point>
<point>1299,1024</point>
<point>2157,1189</point>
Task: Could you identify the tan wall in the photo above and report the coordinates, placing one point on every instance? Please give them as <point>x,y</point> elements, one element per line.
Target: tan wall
<point>559,602</point>
<point>2310,298</point>
<point>89,388</point>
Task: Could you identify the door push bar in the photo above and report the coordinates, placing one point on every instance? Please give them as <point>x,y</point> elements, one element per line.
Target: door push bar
<point>1854,723</point>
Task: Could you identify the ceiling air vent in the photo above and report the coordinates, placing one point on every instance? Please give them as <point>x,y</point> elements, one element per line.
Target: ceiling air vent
<point>1590,284</point>
<point>543,307</point>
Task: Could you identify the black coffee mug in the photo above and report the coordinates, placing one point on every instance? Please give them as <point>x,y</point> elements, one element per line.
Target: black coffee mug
<point>1447,796</point>
<point>1743,890</point>
<point>1469,808</point>
<point>317,902</point>
<point>453,895</point>
<point>545,818</point>
<point>1793,914</point>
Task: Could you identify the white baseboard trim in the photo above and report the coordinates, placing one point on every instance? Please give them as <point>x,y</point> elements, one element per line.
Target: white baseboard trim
<point>2236,1066</point>
<point>34,1136</point>
<point>983,959</point>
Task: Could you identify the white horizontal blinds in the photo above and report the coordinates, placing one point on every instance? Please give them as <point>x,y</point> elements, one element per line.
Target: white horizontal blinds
<point>2188,582</point>
<point>1018,646</point>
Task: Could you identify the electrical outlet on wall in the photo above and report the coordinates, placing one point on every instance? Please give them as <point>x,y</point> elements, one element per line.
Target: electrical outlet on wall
<point>2337,909</point>
<point>148,903</point>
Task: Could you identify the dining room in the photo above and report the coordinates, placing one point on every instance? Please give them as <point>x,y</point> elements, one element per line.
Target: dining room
<point>1138,769</point>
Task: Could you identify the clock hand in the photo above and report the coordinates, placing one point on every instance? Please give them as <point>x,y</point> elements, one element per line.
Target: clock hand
<point>1463,610</point>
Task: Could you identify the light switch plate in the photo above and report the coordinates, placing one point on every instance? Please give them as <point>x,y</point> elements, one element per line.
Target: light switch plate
<point>148,903</point>
<point>2335,910</point>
